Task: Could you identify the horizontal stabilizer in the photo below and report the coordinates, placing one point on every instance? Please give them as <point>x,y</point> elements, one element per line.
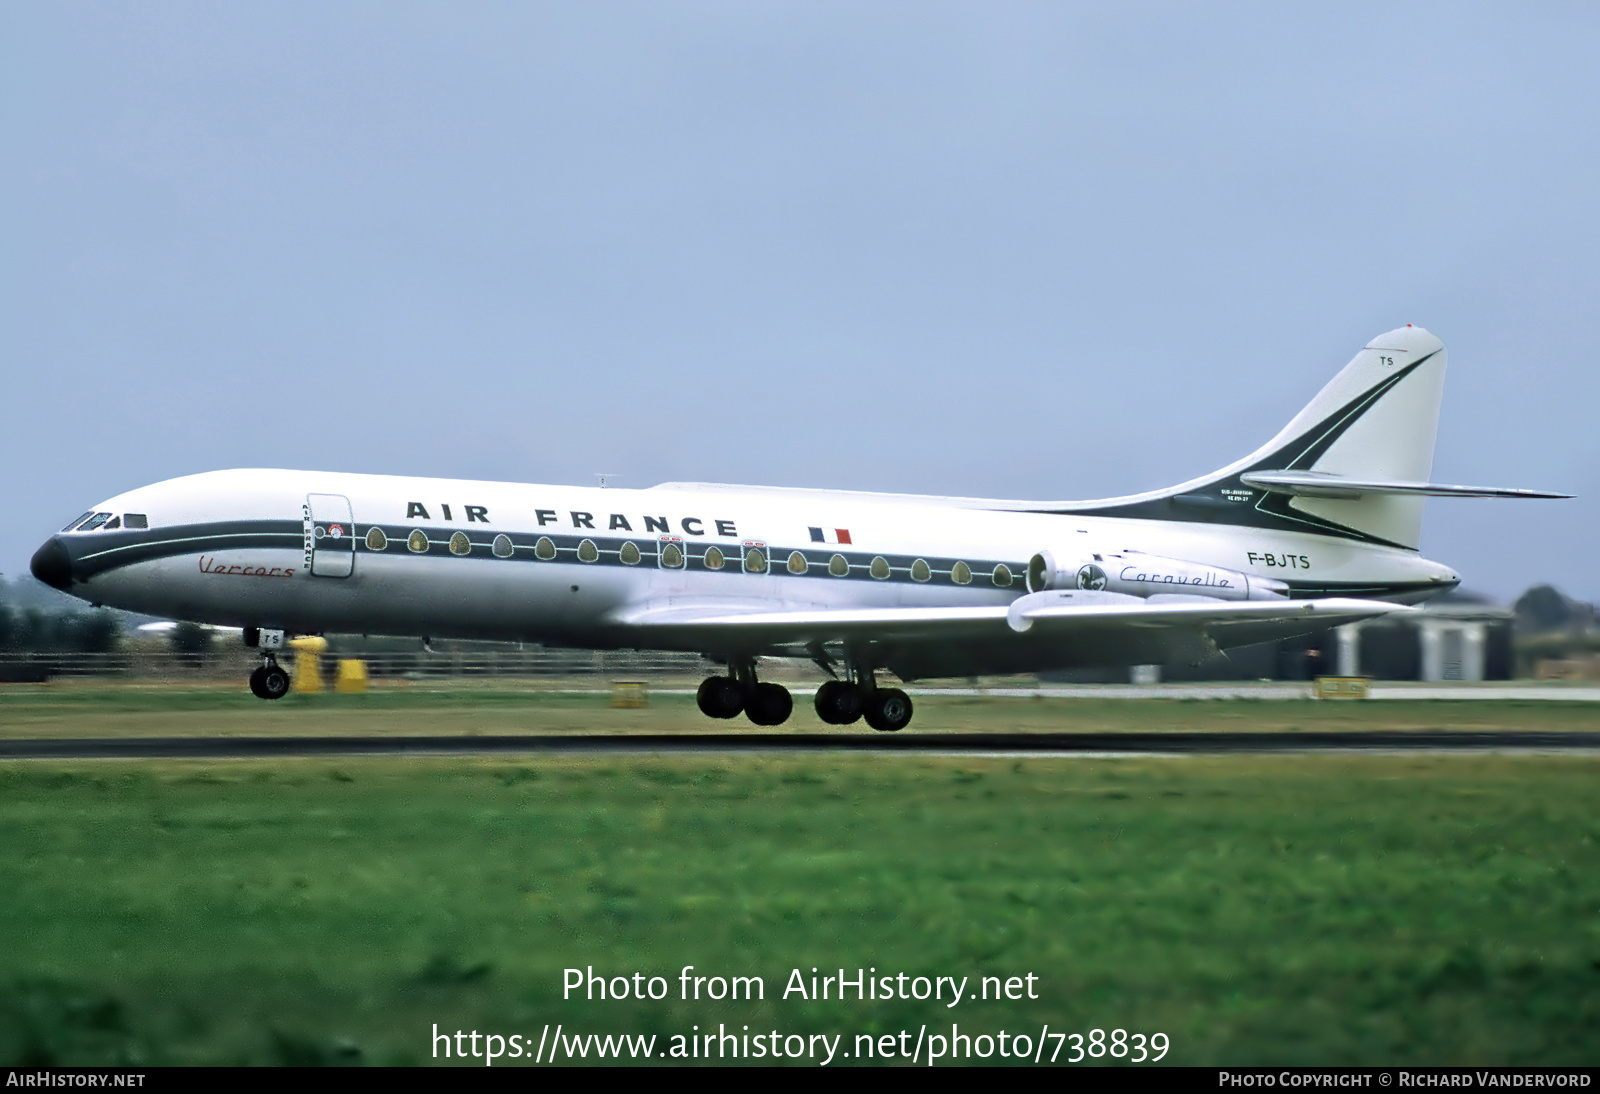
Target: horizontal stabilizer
<point>1319,484</point>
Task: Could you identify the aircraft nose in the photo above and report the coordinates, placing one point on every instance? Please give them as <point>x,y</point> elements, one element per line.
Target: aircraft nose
<point>52,564</point>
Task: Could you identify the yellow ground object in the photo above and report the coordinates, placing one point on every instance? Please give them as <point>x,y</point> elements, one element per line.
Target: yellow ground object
<point>1340,687</point>
<point>628,696</point>
<point>308,662</point>
<point>351,678</point>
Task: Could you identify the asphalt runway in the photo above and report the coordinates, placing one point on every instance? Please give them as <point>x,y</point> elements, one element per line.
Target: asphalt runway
<point>1041,744</point>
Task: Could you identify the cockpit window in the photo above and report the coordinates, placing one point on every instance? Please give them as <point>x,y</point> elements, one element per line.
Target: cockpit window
<point>94,522</point>
<point>135,520</point>
<point>77,521</point>
<point>114,522</point>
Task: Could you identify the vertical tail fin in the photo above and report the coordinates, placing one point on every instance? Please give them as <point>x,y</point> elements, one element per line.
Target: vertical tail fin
<point>1375,420</point>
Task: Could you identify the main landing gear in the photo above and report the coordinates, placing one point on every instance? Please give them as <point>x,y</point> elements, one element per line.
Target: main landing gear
<point>841,703</point>
<point>838,702</point>
<point>727,696</point>
<point>269,681</point>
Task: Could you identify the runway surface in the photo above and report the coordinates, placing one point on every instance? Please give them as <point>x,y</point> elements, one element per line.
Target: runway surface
<point>940,743</point>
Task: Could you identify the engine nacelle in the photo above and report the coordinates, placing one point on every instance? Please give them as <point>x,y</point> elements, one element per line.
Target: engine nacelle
<point>1139,574</point>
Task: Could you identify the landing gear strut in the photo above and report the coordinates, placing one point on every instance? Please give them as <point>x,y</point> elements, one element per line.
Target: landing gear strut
<point>269,681</point>
<point>726,696</point>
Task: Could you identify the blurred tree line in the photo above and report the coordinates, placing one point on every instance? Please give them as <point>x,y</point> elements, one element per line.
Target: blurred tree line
<point>1551,626</point>
<point>35,628</point>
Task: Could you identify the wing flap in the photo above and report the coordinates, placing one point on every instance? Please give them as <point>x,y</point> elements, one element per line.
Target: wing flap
<point>816,624</point>
<point>1049,610</point>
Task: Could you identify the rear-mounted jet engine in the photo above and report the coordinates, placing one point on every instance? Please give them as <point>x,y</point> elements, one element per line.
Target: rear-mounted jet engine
<point>1137,574</point>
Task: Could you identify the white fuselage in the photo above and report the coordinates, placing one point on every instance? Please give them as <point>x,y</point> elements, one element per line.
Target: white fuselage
<point>454,558</point>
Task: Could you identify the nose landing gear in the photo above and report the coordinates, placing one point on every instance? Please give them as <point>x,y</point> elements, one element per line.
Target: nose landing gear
<point>269,681</point>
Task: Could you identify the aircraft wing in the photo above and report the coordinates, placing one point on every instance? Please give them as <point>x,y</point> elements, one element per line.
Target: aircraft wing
<point>1048,629</point>
<point>803,626</point>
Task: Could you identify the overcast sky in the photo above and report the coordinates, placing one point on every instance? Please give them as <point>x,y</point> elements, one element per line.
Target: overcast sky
<point>1005,249</point>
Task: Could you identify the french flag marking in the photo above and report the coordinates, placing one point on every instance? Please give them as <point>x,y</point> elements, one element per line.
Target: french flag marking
<point>830,535</point>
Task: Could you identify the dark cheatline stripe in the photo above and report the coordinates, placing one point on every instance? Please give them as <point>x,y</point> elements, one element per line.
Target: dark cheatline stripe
<point>99,552</point>
<point>905,742</point>
<point>1308,590</point>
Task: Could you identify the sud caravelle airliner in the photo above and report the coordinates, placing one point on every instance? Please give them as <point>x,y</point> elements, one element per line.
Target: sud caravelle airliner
<point>1316,528</point>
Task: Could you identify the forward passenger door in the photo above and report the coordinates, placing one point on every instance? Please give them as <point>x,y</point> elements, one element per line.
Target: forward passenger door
<point>330,535</point>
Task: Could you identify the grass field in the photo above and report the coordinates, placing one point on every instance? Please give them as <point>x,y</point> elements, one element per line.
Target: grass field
<point>1279,909</point>
<point>100,710</point>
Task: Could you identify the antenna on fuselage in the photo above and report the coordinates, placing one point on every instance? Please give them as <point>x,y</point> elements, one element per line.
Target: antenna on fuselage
<point>603,476</point>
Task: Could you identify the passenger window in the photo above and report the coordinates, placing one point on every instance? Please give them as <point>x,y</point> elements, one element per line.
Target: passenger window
<point>502,546</point>
<point>545,548</point>
<point>460,544</point>
<point>961,573</point>
<point>921,571</point>
<point>755,560</point>
<point>671,555</point>
<point>418,541</point>
<point>838,566</point>
<point>376,540</point>
<point>879,568</point>
<point>135,520</point>
<point>713,558</point>
<point>629,554</point>
<point>1002,575</point>
<point>77,521</point>
<point>588,552</point>
<point>797,563</point>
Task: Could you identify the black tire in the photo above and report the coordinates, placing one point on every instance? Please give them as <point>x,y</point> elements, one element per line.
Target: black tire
<point>719,697</point>
<point>769,705</point>
<point>888,710</point>
<point>274,682</point>
<point>255,683</point>
<point>838,703</point>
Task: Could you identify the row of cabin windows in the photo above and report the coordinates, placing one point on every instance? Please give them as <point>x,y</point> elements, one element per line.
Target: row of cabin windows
<point>672,557</point>
<point>107,522</point>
